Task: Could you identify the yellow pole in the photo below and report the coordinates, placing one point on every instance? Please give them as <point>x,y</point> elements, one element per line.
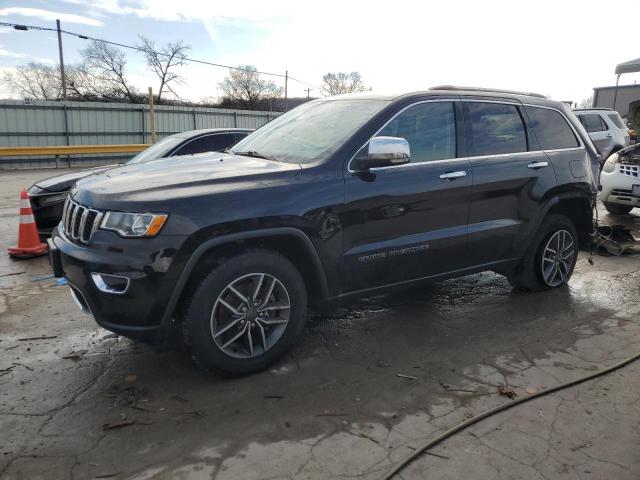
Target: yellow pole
<point>152,117</point>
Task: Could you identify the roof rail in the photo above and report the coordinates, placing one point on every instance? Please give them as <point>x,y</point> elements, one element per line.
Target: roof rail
<point>594,108</point>
<point>492,90</point>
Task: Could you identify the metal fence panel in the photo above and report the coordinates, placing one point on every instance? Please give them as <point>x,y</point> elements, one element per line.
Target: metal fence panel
<point>91,123</point>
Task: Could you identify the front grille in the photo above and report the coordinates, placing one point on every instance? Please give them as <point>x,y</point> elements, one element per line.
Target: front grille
<point>630,170</point>
<point>623,193</point>
<point>79,222</point>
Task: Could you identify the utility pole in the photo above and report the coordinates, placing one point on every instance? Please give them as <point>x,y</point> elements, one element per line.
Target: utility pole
<point>63,78</point>
<point>308,90</point>
<point>286,90</point>
<point>152,117</point>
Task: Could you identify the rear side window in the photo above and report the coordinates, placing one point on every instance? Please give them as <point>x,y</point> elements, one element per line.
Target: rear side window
<point>551,129</point>
<point>430,129</point>
<point>592,122</point>
<point>617,121</point>
<point>496,129</point>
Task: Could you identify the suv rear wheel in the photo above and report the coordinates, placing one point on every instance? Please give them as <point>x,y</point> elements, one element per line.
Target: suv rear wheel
<point>550,261</point>
<point>246,313</point>
<point>617,209</point>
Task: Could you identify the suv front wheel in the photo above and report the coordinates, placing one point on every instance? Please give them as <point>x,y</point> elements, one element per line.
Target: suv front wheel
<point>246,313</point>
<point>550,260</point>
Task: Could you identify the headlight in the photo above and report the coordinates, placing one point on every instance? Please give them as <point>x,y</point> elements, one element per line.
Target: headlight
<point>133,224</point>
<point>54,198</point>
<point>610,164</point>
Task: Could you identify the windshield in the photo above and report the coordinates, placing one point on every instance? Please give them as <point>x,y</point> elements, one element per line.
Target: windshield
<point>310,132</point>
<point>157,150</point>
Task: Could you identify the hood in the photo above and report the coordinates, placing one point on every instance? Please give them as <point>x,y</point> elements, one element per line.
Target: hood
<point>630,155</point>
<point>62,183</point>
<point>179,177</point>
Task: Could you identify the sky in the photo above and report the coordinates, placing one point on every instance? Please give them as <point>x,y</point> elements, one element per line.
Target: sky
<point>558,48</point>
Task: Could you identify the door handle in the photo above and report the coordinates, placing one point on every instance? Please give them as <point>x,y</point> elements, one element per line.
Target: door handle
<point>536,165</point>
<point>453,175</point>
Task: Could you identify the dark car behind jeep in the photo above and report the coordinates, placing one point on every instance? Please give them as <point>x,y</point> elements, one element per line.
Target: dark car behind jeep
<point>340,197</point>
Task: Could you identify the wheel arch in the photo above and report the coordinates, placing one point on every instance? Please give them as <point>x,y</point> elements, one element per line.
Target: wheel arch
<point>579,210</point>
<point>292,243</point>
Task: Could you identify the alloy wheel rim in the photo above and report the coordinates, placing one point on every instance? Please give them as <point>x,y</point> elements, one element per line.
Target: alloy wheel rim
<point>250,315</point>
<point>557,258</point>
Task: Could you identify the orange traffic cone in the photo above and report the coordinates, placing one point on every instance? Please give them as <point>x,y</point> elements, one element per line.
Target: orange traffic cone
<point>29,244</point>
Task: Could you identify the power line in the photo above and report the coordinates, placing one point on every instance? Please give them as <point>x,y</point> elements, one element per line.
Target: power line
<point>23,27</point>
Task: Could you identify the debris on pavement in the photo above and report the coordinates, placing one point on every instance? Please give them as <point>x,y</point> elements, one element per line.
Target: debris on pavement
<point>452,388</point>
<point>11,274</point>
<point>507,391</point>
<point>39,278</point>
<point>132,377</point>
<point>74,355</point>
<point>122,424</point>
<point>383,363</point>
<point>42,337</point>
<point>274,397</point>
<point>408,377</point>
<point>328,413</point>
<point>615,239</point>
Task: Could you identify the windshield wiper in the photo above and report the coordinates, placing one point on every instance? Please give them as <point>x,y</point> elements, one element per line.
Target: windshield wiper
<point>252,153</point>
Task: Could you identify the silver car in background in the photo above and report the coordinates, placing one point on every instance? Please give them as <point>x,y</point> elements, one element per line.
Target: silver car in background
<point>607,129</point>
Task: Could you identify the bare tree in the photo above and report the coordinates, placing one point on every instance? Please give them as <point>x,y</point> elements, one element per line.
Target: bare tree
<point>163,61</point>
<point>35,80</point>
<point>337,83</point>
<point>245,87</point>
<point>103,72</point>
<point>586,103</point>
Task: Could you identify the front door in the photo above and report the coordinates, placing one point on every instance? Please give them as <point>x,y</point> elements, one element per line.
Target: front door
<point>409,221</point>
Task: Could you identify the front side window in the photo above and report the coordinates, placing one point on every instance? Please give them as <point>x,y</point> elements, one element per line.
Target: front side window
<point>496,129</point>
<point>551,129</point>
<point>592,122</point>
<point>430,129</point>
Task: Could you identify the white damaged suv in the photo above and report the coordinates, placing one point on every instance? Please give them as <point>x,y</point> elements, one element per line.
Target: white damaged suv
<point>620,180</point>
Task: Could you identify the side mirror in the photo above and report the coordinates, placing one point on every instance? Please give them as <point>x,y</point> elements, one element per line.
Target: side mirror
<point>383,152</point>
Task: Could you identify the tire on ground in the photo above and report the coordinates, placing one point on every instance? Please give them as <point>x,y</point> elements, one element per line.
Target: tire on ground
<point>528,274</point>
<point>199,308</point>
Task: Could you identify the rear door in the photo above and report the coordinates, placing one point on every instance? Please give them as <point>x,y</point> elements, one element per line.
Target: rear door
<point>510,177</point>
<point>598,131</point>
<point>409,221</point>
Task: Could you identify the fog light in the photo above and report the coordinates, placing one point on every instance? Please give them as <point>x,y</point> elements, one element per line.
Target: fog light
<point>107,283</point>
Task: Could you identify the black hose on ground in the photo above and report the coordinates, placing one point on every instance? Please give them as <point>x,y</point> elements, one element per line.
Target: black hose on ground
<point>432,443</point>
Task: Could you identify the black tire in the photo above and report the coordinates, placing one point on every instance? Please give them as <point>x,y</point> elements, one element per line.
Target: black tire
<point>199,311</point>
<point>617,209</point>
<point>528,275</point>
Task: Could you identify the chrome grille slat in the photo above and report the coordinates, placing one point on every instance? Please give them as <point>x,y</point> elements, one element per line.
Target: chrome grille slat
<point>79,223</point>
<point>83,220</point>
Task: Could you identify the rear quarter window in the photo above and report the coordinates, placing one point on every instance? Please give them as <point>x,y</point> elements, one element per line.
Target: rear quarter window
<point>617,121</point>
<point>551,129</point>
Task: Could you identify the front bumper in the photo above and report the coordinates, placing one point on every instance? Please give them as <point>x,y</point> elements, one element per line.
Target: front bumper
<point>622,186</point>
<point>149,265</point>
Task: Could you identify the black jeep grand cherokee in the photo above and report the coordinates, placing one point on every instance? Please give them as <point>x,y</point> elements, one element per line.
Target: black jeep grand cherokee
<point>339,197</point>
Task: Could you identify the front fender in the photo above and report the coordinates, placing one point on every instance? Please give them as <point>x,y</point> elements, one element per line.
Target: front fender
<point>209,244</point>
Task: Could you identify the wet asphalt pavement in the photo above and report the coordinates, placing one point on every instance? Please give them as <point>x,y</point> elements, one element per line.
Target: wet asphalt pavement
<point>79,402</point>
